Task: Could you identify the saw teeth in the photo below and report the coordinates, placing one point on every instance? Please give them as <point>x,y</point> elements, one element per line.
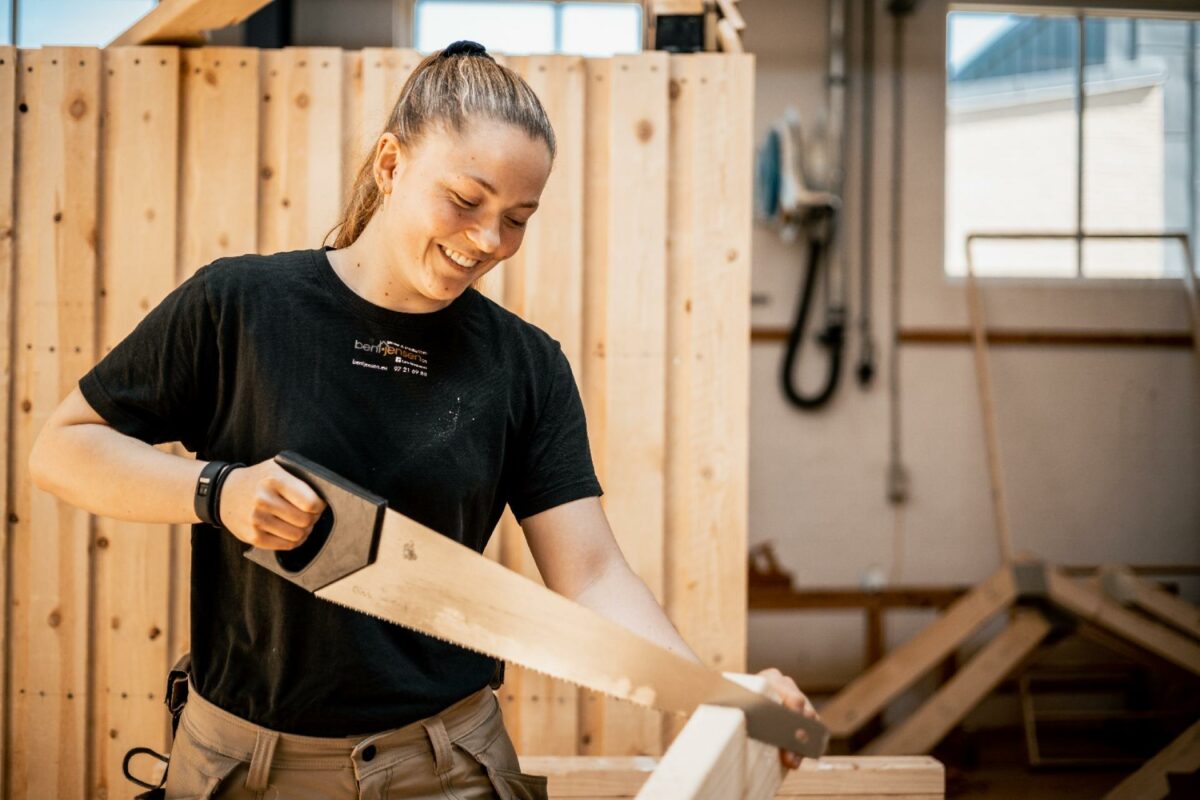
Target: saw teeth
<point>488,655</point>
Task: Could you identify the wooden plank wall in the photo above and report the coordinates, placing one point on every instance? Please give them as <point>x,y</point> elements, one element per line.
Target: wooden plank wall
<point>123,171</point>
<point>132,596</point>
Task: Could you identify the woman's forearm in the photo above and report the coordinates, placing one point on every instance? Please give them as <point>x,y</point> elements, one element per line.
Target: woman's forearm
<point>621,596</point>
<point>99,469</point>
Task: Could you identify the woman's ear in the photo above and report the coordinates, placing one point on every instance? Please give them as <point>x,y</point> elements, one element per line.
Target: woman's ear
<point>389,157</point>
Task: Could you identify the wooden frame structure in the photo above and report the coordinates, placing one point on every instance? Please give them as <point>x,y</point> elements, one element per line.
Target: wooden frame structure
<point>1037,597</point>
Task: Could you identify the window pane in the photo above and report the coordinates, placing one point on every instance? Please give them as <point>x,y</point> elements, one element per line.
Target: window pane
<point>6,21</point>
<point>1011,130</point>
<point>76,22</point>
<point>601,29</point>
<point>516,28</point>
<point>1137,141</point>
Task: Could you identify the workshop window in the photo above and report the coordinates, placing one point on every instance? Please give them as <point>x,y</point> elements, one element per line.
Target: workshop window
<point>82,23</point>
<point>1071,123</point>
<point>530,28</point>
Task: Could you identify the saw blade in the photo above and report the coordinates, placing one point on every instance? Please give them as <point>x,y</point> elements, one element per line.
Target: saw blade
<point>429,583</point>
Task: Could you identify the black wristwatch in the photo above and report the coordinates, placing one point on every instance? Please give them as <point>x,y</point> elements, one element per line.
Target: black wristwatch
<point>207,499</point>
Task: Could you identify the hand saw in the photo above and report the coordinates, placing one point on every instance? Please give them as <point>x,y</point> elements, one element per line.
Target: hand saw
<point>380,562</point>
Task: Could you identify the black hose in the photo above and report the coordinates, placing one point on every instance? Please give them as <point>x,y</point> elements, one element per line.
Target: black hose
<point>832,338</point>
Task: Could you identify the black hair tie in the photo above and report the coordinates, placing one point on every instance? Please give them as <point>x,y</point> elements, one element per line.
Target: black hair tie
<point>465,47</point>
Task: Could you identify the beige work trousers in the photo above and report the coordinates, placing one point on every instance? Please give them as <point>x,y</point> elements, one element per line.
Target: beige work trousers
<point>462,753</point>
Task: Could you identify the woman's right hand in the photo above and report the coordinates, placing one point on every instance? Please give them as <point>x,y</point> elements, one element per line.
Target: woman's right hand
<point>266,506</point>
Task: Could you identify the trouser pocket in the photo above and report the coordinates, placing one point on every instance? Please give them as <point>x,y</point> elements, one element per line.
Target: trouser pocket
<point>490,747</point>
<point>195,771</point>
<point>515,785</point>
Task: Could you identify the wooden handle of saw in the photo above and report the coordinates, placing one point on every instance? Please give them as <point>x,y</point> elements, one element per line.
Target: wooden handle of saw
<point>343,541</point>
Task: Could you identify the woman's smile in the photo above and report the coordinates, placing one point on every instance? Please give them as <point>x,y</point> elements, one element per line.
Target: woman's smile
<point>460,260</point>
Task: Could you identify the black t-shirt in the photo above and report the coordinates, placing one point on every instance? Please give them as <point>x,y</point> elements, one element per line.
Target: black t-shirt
<point>448,415</point>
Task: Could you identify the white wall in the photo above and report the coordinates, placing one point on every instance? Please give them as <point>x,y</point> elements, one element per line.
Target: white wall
<point>1101,447</point>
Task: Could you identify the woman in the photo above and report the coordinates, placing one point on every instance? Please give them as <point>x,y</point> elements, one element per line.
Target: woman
<point>377,360</point>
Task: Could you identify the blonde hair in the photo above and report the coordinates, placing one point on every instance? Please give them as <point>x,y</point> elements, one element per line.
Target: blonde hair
<point>450,87</point>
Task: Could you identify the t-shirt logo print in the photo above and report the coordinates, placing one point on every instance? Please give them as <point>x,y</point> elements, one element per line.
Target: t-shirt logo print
<point>384,355</point>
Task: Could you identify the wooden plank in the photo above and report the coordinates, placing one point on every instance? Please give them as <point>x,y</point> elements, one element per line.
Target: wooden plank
<point>873,796</point>
<point>764,771</point>
<point>868,694</point>
<point>543,284</point>
<point>770,597</point>
<point>708,354</point>
<point>1150,782</point>
<point>219,135</point>
<point>708,398</point>
<point>707,761</point>
<point>1094,607</point>
<point>300,169</point>
<point>132,560</point>
<point>591,776</point>
<point>1038,337</point>
<point>929,724</point>
<point>730,12</point>
<point>625,339</point>
<point>384,72</point>
<point>850,776</point>
<point>218,153</point>
<point>678,7</point>
<point>1122,586</point>
<point>57,132</point>
<point>991,436</point>
<point>353,150</point>
<point>185,21</point>
<point>844,777</point>
<point>728,37</point>
<point>712,757</point>
<point>8,108</point>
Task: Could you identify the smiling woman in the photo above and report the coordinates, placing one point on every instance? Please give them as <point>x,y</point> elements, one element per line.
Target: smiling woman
<point>452,206</point>
<point>447,190</point>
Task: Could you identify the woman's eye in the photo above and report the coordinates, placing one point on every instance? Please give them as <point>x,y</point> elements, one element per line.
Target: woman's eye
<point>462,201</point>
<point>517,222</point>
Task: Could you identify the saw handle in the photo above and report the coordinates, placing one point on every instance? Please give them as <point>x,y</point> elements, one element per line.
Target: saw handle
<point>351,539</point>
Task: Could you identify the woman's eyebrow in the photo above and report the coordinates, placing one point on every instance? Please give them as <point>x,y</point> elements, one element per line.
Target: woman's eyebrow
<point>492,190</point>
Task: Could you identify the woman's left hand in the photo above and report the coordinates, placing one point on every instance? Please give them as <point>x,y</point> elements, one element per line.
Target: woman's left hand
<point>792,698</point>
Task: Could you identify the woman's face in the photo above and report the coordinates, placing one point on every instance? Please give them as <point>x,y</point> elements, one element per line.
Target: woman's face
<point>457,203</point>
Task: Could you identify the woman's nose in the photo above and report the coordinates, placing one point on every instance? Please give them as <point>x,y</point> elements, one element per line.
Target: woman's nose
<point>485,237</point>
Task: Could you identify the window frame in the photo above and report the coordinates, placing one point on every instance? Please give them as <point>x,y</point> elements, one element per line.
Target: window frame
<point>1082,11</point>
<point>558,5</point>
<point>931,298</point>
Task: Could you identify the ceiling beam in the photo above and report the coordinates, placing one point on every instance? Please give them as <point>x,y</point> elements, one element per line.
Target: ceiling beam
<point>184,22</point>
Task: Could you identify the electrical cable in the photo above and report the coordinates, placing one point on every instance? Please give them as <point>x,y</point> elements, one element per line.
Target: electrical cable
<point>818,226</point>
